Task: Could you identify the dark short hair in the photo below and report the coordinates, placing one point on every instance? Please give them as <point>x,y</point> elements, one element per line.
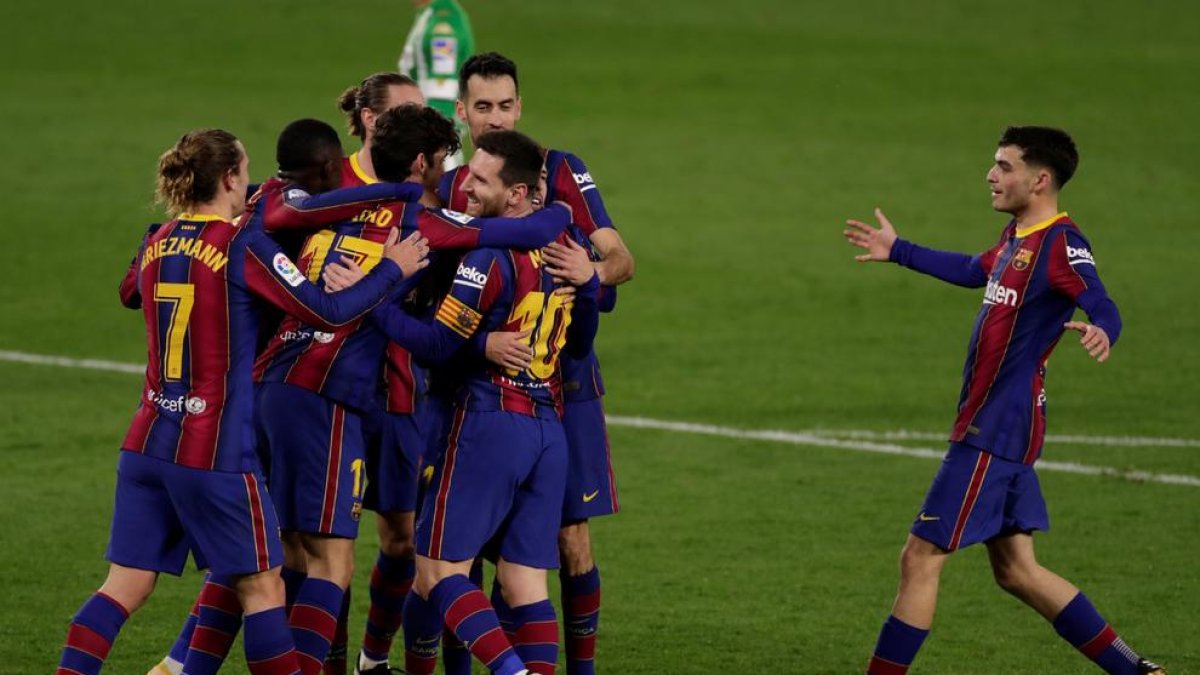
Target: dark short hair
<point>521,154</point>
<point>371,94</point>
<point>1045,147</point>
<point>486,65</point>
<point>306,143</point>
<point>406,131</point>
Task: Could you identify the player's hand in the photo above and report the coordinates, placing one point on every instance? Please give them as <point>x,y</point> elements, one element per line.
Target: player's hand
<point>509,350</point>
<point>1094,339</point>
<point>341,275</point>
<point>877,242</point>
<point>568,263</point>
<point>409,254</point>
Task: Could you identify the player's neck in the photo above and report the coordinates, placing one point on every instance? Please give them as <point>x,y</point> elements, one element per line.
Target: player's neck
<point>1037,212</point>
<point>364,159</point>
<point>520,211</point>
<point>221,208</point>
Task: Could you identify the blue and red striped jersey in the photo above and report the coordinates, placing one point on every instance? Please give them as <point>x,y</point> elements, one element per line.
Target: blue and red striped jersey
<point>567,180</point>
<point>508,290</point>
<point>346,365</point>
<point>1034,277</point>
<point>198,277</point>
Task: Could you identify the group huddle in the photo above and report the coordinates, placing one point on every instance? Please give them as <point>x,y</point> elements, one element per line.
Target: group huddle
<point>374,331</point>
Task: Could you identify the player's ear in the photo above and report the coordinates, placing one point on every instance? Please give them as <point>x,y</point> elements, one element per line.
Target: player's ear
<point>460,110</point>
<point>419,165</point>
<point>517,110</point>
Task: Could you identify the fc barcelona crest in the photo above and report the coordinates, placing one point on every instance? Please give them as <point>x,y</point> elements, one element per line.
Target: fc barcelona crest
<point>1021,259</point>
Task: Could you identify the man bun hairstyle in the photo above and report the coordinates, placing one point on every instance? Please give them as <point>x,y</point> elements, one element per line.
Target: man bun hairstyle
<point>486,65</point>
<point>521,154</point>
<point>191,171</point>
<point>371,94</point>
<point>1045,147</point>
<point>406,131</point>
<point>306,143</point>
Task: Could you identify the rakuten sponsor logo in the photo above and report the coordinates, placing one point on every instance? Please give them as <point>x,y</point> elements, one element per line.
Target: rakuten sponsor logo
<point>998,294</point>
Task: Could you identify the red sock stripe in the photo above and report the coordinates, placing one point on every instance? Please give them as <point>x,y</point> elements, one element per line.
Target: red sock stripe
<point>538,633</point>
<point>388,587</point>
<point>582,605</point>
<point>211,641</point>
<point>466,606</point>
<point>63,670</point>
<point>88,641</point>
<point>223,598</point>
<point>541,667</point>
<point>313,619</point>
<point>490,646</point>
<point>1092,648</point>
<point>308,665</point>
<point>581,648</point>
<point>284,664</point>
<point>880,666</point>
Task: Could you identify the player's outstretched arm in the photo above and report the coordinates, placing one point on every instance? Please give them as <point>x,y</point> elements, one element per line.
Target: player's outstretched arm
<point>882,244</point>
<point>877,242</point>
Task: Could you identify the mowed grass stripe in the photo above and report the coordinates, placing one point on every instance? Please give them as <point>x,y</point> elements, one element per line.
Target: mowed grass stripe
<point>854,440</point>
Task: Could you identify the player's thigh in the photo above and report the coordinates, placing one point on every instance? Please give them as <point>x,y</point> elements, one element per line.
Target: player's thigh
<point>530,535</point>
<point>591,489</point>
<point>394,456</point>
<point>965,503</point>
<point>474,483</point>
<point>146,532</point>
<point>318,467</point>
<point>230,519</point>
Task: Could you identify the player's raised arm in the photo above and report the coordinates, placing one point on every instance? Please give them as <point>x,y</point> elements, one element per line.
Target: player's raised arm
<point>271,275</point>
<point>1072,271</point>
<point>294,209</point>
<point>882,244</point>
<point>448,230</point>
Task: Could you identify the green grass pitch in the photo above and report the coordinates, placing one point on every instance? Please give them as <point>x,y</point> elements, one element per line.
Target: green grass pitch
<point>731,140</point>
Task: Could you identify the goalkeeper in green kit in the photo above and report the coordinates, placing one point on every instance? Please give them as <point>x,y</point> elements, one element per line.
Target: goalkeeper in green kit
<point>436,47</point>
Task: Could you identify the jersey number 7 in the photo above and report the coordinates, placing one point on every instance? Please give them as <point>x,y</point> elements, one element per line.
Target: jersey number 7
<point>181,297</point>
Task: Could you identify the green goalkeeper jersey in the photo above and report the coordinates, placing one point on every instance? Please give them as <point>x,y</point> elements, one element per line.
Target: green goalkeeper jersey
<point>438,44</point>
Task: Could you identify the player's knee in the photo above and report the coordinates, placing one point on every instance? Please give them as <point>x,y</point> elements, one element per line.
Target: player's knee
<point>261,591</point>
<point>521,585</point>
<point>396,536</point>
<point>129,587</point>
<point>920,559</point>
<point>1012,577</point>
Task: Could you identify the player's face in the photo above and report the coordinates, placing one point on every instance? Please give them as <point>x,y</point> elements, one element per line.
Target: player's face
<point>487,195</point>
<point>1011,180</point>
<point>398,95</point>
<point>490,104</point>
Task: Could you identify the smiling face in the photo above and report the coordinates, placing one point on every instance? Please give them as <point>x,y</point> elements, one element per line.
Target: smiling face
<point>1014,183</point>
<point>489,104</point>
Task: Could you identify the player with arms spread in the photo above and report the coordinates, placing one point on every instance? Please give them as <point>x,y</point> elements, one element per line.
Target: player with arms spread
<point>188,477</point>
<point>986,490</point>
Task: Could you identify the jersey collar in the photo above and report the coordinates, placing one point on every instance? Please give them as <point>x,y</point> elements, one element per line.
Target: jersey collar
<point>198,217</point>
<point>358,170</point>
<point>1023,232</point>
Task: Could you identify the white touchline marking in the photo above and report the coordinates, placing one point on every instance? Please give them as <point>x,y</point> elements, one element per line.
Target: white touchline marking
<point>850,439</point>
<point>826,440</point>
